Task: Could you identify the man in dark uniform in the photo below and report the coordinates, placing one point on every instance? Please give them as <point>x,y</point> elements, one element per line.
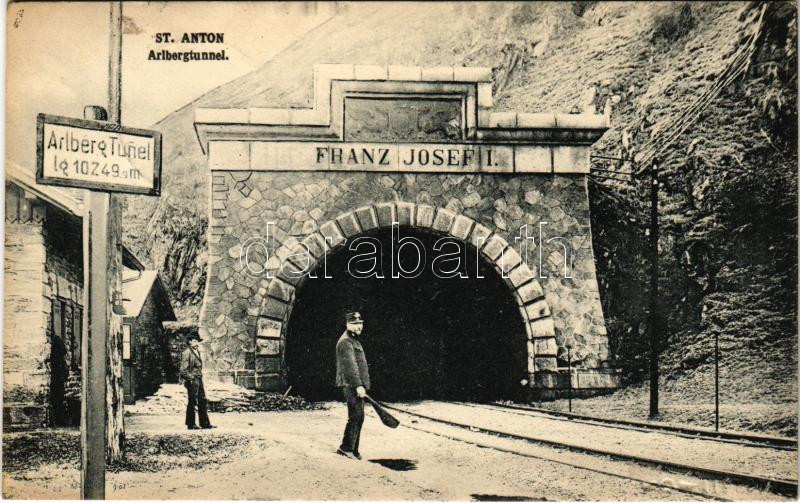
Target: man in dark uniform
<point>192,375</point>
<point>352,375</point>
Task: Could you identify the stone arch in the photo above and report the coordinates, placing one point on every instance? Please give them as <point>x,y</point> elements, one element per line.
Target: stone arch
<point>526,289</point>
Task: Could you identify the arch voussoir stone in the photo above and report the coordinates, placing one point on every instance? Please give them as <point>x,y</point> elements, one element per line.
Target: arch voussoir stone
<point>443,221</point>
<point>406,213</point>
<point>494,247</point>
<point>424,215</point>
<point>349,224</point>
<point>462,227</point>
<point>387,214</point>
<point>367,217</point>
<point>331,233</point>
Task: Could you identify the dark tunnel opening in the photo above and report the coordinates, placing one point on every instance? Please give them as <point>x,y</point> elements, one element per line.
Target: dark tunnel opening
<point>427,337</point>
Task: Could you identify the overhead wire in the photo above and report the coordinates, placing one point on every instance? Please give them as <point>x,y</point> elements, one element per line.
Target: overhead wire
<point>738,66</point>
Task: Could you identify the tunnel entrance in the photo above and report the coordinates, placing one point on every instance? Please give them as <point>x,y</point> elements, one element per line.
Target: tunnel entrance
<point>426,337</point>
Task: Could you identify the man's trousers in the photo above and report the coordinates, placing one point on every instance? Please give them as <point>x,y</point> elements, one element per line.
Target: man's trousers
<point>197,398</point>
<point>355,419</point>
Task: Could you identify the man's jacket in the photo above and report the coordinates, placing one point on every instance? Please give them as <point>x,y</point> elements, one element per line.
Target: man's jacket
<point>351,363</point>
<point>191,365</point>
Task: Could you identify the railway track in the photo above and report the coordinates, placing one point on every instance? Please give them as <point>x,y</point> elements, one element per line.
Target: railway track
<point>732,437</point>
<point>775,485</point>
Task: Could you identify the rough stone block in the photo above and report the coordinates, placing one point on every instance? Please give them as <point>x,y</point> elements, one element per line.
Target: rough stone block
<point>462,226</point>
<point>293,279</point>
<point>545,363</point>
<point>349,225</point>
<point>267,365</point>
<point>530,291</point>
<point>541,328</point>
<point>270,382</point>
<point>494,247</point>
<point>268,347</point>
<point>405,213</point>
<point>387,214</point>
<point>367,218</point>
<point>425,214</point>
<point>273,308</point>
<point>480,236</point>
<point>520,275</point>
<point>269,328</point>
<point>549,380</point>
<point>444,220</point>
<point>315,244</point>
<point>333,236</point>
<point>508,260</point>
<point>545,347</point>
<point>537,310</point>
<point>247,381</point>
<point>280,290</point>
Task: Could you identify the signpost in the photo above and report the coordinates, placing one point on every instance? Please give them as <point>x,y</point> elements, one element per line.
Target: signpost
<point>102,157</point>
<point>92,154</point>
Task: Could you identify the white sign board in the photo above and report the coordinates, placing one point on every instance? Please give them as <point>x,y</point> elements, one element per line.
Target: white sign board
<point>97,155</point>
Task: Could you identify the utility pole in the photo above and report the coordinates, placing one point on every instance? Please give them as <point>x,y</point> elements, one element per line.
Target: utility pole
<point>716,380</point>
<point>654,327</point>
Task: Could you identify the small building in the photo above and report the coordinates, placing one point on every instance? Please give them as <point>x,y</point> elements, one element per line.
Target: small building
<point>145,350</point>
<point>43,303</point>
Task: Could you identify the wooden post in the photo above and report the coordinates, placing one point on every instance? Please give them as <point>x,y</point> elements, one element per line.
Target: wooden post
<point>654,324</point>
<point>93,347</point>
<point>115,429</point>
<point>102,429</point>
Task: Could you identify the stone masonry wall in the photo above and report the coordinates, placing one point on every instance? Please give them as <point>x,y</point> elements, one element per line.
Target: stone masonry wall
<point>243,318</point>
<point>150,351</point>
<point>63,305</point>
<point>26,349</point>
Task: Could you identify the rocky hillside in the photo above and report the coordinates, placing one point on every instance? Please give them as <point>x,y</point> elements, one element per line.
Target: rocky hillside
<point>729,214</point>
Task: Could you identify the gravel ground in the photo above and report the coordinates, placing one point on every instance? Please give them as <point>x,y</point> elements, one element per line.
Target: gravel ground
<point>290,455</point>
<point>751,460</point>
<point>23,452</point>
<point>774,418</point>
<point>222,397</point>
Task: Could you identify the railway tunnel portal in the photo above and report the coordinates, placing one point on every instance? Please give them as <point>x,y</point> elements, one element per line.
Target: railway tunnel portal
<point>303,198</point>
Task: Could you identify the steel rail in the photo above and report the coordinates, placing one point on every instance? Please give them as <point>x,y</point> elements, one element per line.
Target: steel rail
<point>782,487</point>
<point>742,438</point>
<point>677,488</point>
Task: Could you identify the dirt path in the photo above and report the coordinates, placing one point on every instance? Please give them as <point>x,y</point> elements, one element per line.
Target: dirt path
<point>294,458</point>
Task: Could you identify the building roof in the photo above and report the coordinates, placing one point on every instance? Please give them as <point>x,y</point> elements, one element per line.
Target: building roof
<point>136,281</point>
<point>69,200</point>
<point>136,286</point>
